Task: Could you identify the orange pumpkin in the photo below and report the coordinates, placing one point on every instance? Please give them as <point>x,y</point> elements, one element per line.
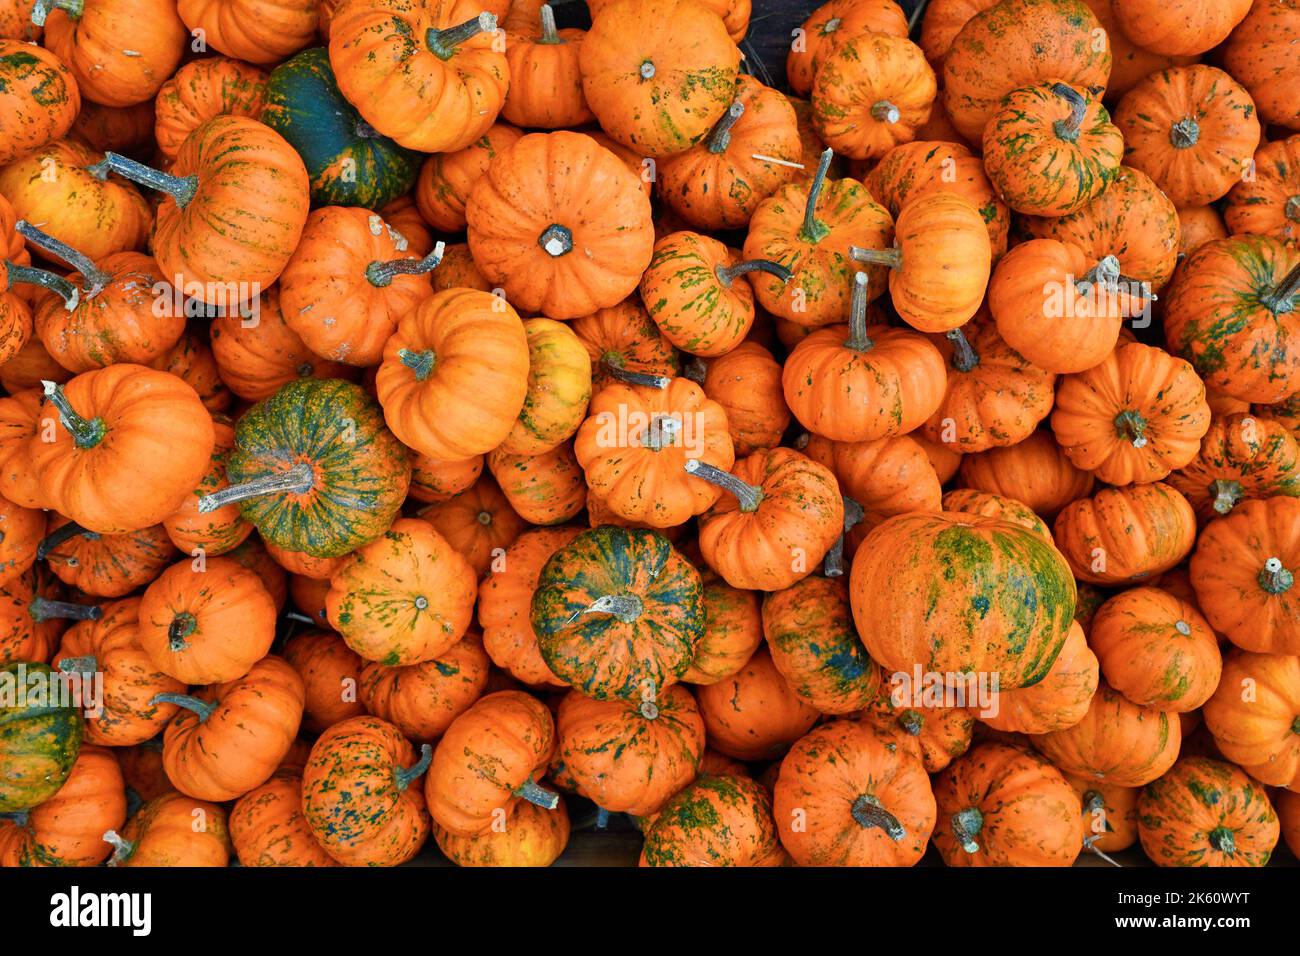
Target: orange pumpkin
<point>1179,27</point>
<point>886,477</point>
<point>479,523</point>
<point>268,828</point>
<point>547,488</point>
<point>21,533</point>
<point>1257,56</point>
<point>1252,716</point>
<point>20,421</point>
<point>545,79</point>
<point>200,90</point>
<point>87,37</point>
<point>68,828</point>
<point>746,382</point>
<point>213,532</point>
<point>330,673</point>
<point>1034,471</point>
<point>1109,815</point>
<point>442,189</point>
<point>1121,535</point>
<point>434,481</point>
<point>108,565</point>
<point>754,714</point>
<point>733,629</point>
<point>625,345</point>
<point>1117,741</point>
<point>719,820</point>
<point>172,830</point>
<point>1241,456</point>
<point>39,98</point>
<point>1058,701</point>
<point>260,31</point>
<point>830,25</point>
<point>422,700</point>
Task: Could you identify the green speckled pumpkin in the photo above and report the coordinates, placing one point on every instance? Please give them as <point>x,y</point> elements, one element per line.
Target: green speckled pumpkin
<point>316,469</point>
<point>304,105</point>
<point>716,821</point>
<point>38,743</point>
<point>618,613</point>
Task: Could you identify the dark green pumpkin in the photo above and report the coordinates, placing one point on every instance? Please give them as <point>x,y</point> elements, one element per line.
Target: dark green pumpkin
<point>40,736</point>
<point>357,479</point>
<point>304,105</point>
<point>618,613</point>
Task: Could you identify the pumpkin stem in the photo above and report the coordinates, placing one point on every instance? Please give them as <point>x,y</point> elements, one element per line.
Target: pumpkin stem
<point>538,796</point>
<point>663,432</point>
<point>647,71</point>
<point>1292,208</point>
<point>814,230</point>
<point>297,480</point>
<point>42,609</point>
<point>966,825</point>
<point>868,813</point>
<point>749,496</point>
<point>616,371</point>
<point>1222,839</point>
<point>79,665</point>
<point>1226,493</point>
<point>61,534</point>
<point>858,340</point>
<point>1183,628</point>
<point>443,43</point>
<point>726,274</point>
<point>1089,844</point>
<point>96,278</point>
<point>122,849</point>
<point>43,8</point>
<point>380,274</point>
<point>182,626</point>
<point>405,776</point>
<point>421,363</point>
<point>1283,299</point>
<point>1105,272</point>
<point>295,616</point>
<point>18,817</point>
<point>720,138</point>
<point>180,188</point>
<point>1131,426</point>
<point>557,240</point>
<point>85,434</point>
<point>204,708</point>
<point>892,258</point>
<point>550,35</point>
<point>31,275</point>
<point>912,722</point>
<point>833,564</point>
<point>1068,129</point>
<point>1184,133</point>
<point>884,111</point>
<point>1274,578</point>
<point>602,818</point>
<point>964,356</point>
<point>626,608</point>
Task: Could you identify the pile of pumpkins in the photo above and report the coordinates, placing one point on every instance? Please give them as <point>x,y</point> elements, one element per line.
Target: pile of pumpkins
<point>417,415</point>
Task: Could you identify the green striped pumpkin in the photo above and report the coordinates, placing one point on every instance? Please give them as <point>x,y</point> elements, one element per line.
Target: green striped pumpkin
<point>39,740</point>
<point>304,105</point>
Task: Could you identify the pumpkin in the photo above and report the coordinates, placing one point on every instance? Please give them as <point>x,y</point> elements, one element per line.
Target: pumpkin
<point>422,700</point>
<point>268,828</point>
<point>1121,535</point>
<point>885,477</point>
<point>529,835</point>
<point>480,523</point>
<point>829,26</point>
<point>1231,314</point>
<point>331,673</point>
<point>754,714</point>
<point>1179,27</point>
<point>813,644</point>
<point>779,516</point>
<point>206,626</point>
<point>504,605</point>
<point>1109,815</point>
<point>1050,149</point>
<point>1135,417</point>
<point>16,21</point>
<point>128,444</point>
<point>934,733</point>
<point>1034,471</point>
<point>236,203</point>
<point>1257,56</point>
<point>306,565</point>
<point>39,739</point>
<point>912,170</point>
<point>461,348</point>
<point>405,598</point>
<point>1156,650</point>
<point>20,421</point>
<point>733,629</point>
<point>87,37</point>
<point>348,475</point>
<point>348,282</point>
<point>618,613</point>
<point>1240,457</point>
<point>215,532</point>
<point>489,758</point>
<point>260,31</point>
<point>31,617</point>
<point>39,98</point>
<point>1206,812</point>
<point>545,80</point>
<point>989,505</point>
<point>1191,129</point>
<point>719,820</point>
<point>434,481</point>
<point>845,766</point>
<point>548,488</point>
<point>624,345</point>
<point>30,366</point>
<point>21,533</point>
<point>876,383</point>
<point>445,179</point>
<point>536,206</point>
<point>786,229</point>
<point>122,129</point>
<point>746,382</point>
<point>1197,225</point>
<point>358,795</point>
<point>1058,701</point>
<point>1019,584</point>
<point>172,830</point>
<point>1288,812</point>
<point>231,737</point>
<point>200,90</point>
<point>1130,62</point>
<point>348,162</point>
<point>1015,44</point>
<point>559,388</point>
<point>1254,716</point>
<point>191,360</point>
<point>942,21</point>
<point>67,829</point>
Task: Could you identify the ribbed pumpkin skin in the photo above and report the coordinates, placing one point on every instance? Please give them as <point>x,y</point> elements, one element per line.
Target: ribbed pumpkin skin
<point>21,531</point>
<point>91,44</point>
<point>479,523</point>
<point>110,565</point>
<point>217,531</point>
<point>746,382</point>
<point>1028,814</point>
<point>262,31</point>
<point>1200,808</point>
<point>423,699</point>
<point>1121,535</point>
<point>326,664</point>
<point>832,22</point>
<point>200,90</point>
<point>357,806</point>
<point>530,836</point>
<point>754,714</point>
<point>362,471</point>
<point>716,821</point>
<point>1260,733</point>
<point>597,652</point>
<point>733,629</point>
<point>39,98</point>
<point>624,336</point>
<point>22,638</point>
<point>1197,225</point>
<point>68,828</point>
<point>1059,700</point>
<point>971,501</point>
<point>173,830</point>
<point>1258,55</point>
<point>694,307</point>
<point>942,22</point>
<point>38,744</point>
<point>445,179</point>
<point>1109,814</point>
<point>1034,472</point>
<point>348,163</point>
<point>547,488</point>
<point>559,388</point>
<point>267,826</point>
<point>1116,741</point>
<point>936,735</point>
<point>1179,27</point>
<point>887,477</point>
<point>940,567</point>
<point>1241,456</point>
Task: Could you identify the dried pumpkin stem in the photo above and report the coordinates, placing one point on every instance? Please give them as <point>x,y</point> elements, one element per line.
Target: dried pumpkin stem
<point>749,496</point>
<point>421,363</point>
<point>858,339</point>
<point>1223,840</point>
<point>79,665</point>
<point>892,258</point>
<point>550,35</point>
<point>61,534</point>
<point>96,278</point>
<point>966,825</point>
<point>727,274</point>
<point>1090,844</point>
<point>662,433</point>
<point>405,776</point>
<point>443,43</point>
<point>557,240</point>
<point>1068,129</point>
<point>628,377</point>
<point>813,230</point>
<point>203,708</point>
<point>182,626</point>
<point>627,608</point>
<point>868,813</point>
<point>1183,628</point>
<point>1274,578</point>
<point>381,274</point>
<point>122,849</point>
<point>833,564</point>
<point>912,722</point>
<point>1105,272</point>
<point>297,480</point>
<point>537,795</point>
<point>30,275</point>
<point>1224,494</point>
<point>295,616</point>
<point>85,433</point>
<point>43,8</point>
<point>1132,427</point>
<point>720,138</point>
<point>884,111</point>
<point>1283,299</point>
<point>647,71</point>
<point>1184,133</point>
<point>180,188</point>
<point>42,609</point>
<point>964,356</point>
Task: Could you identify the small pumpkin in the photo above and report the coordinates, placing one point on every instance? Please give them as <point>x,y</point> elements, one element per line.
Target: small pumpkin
<point>331,677</point>
<point>529,836</point>
<point>1121,535</point>
<point>1179,27</point>
<point>754,714</point>
<point>1254,716</point>
<point>445,179</point>
<point>886,477</point>
<point>1058,701</point>
<point>67,829</point>
<point>39,741</point>
<point>733,629</point>
<point>422,700</point>
<point>31,617</point>
<point>39,98</point>
<point>434,481</point>
<point>20,421</point>
<point>935,733</point>
<point>21,534</point>
<point>746,382</point>
<point>480,523</point>
<point>1241,456</point>
<point>260,31</point>
<point>623,344</point>
<point>971,501</point>
<point>1035,472</point>
<point>548,488</point>
<point>215,532</point>
<point>719,820</point>
<point>829,25</point>
<point>1197,225</point>
<point>1109,815</point>
<point>172,830</point>
<point>545,78</point>
<point>559,388</point>
<point>200,90</point>
<point>267,826</point>
<point>1256,55</point>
